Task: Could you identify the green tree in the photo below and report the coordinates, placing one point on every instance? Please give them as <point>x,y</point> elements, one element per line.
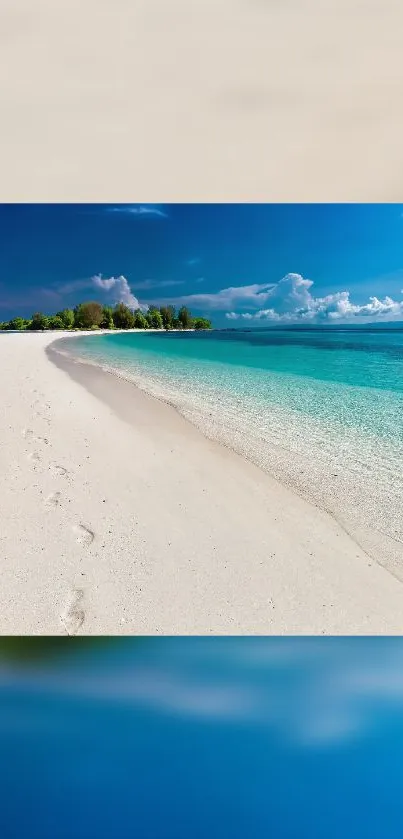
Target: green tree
<point>166,320</point>
<point>67,316</point>
<point>140,321</point>
<point>55,322</point>
<point>168,315</point>
<point>154,319</point>
<point>39,321</point>
<point>123,317</point>
<point>107,318</point>
<point>17,323</point>
<point>185,318</point>
<point>88,315</point>
<point>201,323</point>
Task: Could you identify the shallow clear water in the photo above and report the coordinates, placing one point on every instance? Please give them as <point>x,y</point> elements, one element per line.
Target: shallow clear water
<point>321,409</point>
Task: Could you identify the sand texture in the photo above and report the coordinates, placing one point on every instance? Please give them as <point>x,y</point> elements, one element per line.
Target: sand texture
<point>118,516</point>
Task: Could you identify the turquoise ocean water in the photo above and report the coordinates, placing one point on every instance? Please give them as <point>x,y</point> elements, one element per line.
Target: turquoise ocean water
<point>320,409</point>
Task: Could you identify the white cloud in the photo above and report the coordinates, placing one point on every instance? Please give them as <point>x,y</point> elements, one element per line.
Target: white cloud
<point>119,289</point>
<point>119,284</point>
<point>228,298</point>
<point>142,210</point>
<point>291,300</point>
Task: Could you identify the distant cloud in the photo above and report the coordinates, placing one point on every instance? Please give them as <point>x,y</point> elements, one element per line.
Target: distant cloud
<point>194,261</point>
<point>119,289</point>
<point>36,298</point>
<point>74,285</point>
<point>291,300</point>
<point>82,284</point>
<point>227,298</point>
<point>138,210</point>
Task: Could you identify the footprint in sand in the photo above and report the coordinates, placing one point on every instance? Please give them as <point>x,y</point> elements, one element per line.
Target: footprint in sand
<point>53,500</point>
<point>84,536</point>
<point>44,419</point>
<point>73,616</point>
<point>35,457</point>
<point>30,436</point>
<point>55,469</point>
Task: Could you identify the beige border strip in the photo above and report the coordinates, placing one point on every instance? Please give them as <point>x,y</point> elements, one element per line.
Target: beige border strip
<point>201,100</point>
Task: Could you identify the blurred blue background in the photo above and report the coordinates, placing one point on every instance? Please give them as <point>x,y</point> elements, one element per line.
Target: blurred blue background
<point>219,737</point>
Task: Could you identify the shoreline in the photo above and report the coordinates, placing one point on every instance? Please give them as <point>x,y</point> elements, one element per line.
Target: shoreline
<point>132,521</point>
<point>357,510</point>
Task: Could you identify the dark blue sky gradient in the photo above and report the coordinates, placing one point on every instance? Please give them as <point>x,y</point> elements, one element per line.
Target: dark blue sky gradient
<point>48,253</point>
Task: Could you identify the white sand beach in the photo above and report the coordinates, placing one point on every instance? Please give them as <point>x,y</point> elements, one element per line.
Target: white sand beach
<point>118,516</point>
<point>201,100</point>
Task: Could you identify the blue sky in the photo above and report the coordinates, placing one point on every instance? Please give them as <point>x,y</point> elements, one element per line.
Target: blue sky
<point>245,264</point>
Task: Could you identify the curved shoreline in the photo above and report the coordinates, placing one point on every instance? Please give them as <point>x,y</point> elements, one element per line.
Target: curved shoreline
<point>139,524</point>
<point>281,466</point>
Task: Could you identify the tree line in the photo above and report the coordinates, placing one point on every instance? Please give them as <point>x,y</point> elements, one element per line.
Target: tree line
<point>92,315</point>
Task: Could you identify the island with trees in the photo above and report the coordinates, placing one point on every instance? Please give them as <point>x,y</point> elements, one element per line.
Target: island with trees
<point>92,315</point>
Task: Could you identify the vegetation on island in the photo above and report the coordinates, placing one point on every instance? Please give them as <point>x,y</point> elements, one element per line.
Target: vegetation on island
<point>92,315</point>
